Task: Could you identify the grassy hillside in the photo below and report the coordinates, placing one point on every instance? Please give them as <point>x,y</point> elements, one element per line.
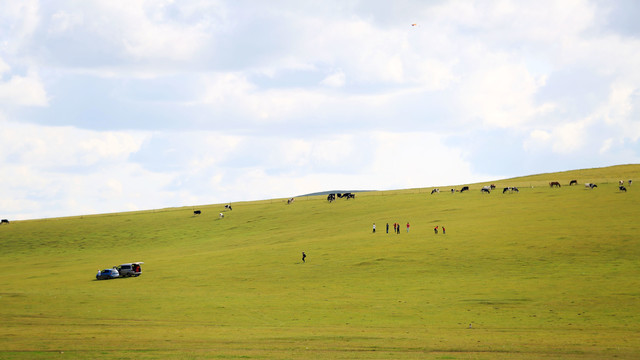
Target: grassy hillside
<point>543,273</point>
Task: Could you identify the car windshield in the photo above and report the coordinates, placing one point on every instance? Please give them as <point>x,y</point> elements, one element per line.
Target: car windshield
<point>126,267</point>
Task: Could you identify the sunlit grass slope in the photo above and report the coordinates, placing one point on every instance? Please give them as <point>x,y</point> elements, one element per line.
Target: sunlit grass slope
<point>543,273</point>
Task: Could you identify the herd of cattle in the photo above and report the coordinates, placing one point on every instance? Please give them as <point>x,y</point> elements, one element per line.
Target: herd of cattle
<point>511,189</point>
<point>226,207</point>
<point>332,197</point>
<point>485,189</point>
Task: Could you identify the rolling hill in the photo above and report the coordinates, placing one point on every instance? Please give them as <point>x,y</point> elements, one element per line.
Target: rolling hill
<point>542,273</point>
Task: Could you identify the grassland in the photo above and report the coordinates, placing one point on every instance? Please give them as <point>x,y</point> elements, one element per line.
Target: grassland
<point>543,273</point>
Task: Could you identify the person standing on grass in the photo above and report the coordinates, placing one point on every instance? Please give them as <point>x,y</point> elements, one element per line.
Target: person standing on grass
<point>374,228</point>
<point>303,256</point>
<point>387,228</point>
<point>443,230</point>
<point>398,229</point>
<point>407,227</point>
<point>435,229</point>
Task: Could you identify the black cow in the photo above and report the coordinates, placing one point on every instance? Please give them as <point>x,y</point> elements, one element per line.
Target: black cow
<point>621,187</point>
<point>348,195</point>
<point>228,207</point>
<point>4,221</point>
<point>485,190</point>
<point>464,188</point>
<point>197,212</point>
<point>435,191</point>
<point>331,197</point>
<point>573,182</point>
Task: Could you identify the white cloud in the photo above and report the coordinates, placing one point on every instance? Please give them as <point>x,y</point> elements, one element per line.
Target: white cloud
<point>336,79</point>
<point>19,20</point>
<point>398,165</point>
<point>569,137</point>
<point>220,89</point>
<point>63,21</point>
<point>4,67</point>
<point>618,112</point>
<point>22,90</point>
<point>49,171</point>
<point>50,147</point>
<point>537,139</point>
<point>499,91</point>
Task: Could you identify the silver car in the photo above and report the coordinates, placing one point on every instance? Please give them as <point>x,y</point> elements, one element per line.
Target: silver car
<point>107,274</point>
<point>130,269</point>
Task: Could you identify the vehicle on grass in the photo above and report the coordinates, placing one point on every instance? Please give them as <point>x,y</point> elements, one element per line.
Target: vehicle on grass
<point>107,274</point>
<point>130,269</point>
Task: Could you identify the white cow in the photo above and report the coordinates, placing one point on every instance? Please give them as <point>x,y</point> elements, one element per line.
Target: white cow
<point>221,215</point>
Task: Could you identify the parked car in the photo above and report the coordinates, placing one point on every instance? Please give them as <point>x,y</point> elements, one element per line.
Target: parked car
<point>107,274</point>
<point>130,269</point>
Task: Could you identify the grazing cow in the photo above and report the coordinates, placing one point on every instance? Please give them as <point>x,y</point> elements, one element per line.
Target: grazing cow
<point>4,221</point>
<point>197,212</point>
<point>573,182</point>
<point>621,182</point>
<point>486,189</point>
<point>349,196</point>
<point>510,189</point>
<point>435,191</point>
<point>622,188</point>
<point>590,185</point>
<point>221,215</point>
<point>464,188</point>
<point>331,197</point>
<point>505,190</point>
<point>554,184</point>
<point>493,186</point>
<point>453,190</point>
<point>290,201</point>
<point>228,207</point>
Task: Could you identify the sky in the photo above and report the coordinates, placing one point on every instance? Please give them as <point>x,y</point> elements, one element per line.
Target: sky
<point>124,105</point>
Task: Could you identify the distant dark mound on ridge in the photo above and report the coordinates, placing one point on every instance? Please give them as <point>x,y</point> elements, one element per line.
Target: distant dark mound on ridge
<point>335,192</point>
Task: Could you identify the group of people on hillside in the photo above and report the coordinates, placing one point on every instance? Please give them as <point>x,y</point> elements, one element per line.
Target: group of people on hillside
<point>396,228</point>
<point>435,230</point>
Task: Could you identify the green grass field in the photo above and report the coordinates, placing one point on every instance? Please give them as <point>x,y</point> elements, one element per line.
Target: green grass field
<point>543,273</point>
